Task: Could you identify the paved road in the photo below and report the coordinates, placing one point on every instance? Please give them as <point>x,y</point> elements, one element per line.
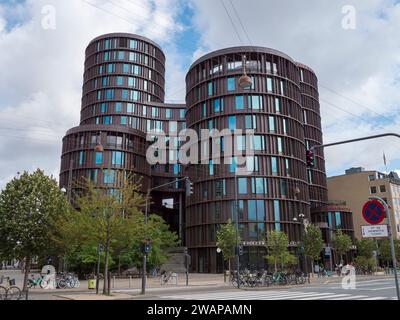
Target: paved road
<point>383,289</point>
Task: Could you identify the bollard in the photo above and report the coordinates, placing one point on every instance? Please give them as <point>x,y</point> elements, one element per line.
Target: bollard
<point>130,281</point>
<point>113,282</point>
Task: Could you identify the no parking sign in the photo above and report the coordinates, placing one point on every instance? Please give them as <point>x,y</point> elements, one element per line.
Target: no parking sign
<point>373,212</point>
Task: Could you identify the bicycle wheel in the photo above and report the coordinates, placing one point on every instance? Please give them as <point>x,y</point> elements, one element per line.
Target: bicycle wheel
<point>77,283</point>
<point>44,284</point>
<point>61,283</point>
<point>13,293</point>
<point>3,293</point>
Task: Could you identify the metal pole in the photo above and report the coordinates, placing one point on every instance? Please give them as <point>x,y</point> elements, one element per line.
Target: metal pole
<point>187,269</point>
<point>354,140</point>
<point>391,243</point>
<point>237,233</point>
<point>130,281</point>
<point>144,266</point>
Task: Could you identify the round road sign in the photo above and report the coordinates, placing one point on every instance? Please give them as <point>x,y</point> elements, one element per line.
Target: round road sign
<point>373,212</point>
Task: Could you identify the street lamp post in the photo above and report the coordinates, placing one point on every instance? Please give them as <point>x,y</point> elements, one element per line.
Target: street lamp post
<point>237,232</point>
<point>391,242</point>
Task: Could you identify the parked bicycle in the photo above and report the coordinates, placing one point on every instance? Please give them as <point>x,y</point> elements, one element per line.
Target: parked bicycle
<point>39,281</point>
<point>67,280</point>
<point>255,279</point>
<point>9,291</point>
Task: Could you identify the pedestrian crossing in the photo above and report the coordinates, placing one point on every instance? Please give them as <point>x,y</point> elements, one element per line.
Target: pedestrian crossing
<point>274,295</point>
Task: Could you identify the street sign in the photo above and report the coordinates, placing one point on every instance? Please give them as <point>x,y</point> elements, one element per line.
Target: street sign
<point>327,251</point>
<point>373,212</point>
<point>379,231</point>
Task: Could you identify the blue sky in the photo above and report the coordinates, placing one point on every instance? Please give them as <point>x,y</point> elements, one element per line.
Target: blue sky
<point>358,69</point>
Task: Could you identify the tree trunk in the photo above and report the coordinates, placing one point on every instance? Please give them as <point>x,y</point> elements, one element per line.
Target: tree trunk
<point>312,267</point>
<point>27,270</point>
<point>119,265</point>
<point>276,268</point>
<point>229,265</point>
<point>106,253</point>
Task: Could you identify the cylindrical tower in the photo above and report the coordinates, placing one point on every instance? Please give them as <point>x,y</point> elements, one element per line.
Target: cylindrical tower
<point>313,135</point>
<point>123,87</point>
<point>277,190</point>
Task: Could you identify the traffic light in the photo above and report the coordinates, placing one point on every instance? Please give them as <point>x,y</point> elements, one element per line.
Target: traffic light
<point>146,246</point>
<point>189,187</point>
<point>310,159</point>
<point>239,250</point>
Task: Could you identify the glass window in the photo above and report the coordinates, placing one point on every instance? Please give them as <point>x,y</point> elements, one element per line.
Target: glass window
<point>109,94</point>
<point>371,177</point>
<point>134,95</point>
<point>255,102</point>
<point>211,167</point>
<point>210,89</point>
<point>274,165</point>
<point>277,105</point>
<point>232,122</point>
<point>280,145</point>
<point>250,122</point>
<point>204,109</point>
<point>282,88</point>
<point>120,81</point>
<point>135,69</point>
<point>382,188</point>
<point>260,210</point>
<point>154,112</point>
<point>287,167</point>
<point>118,107</point>
<point>277,215</point>
<point>284,125</point>
<point>117,158</point>
<point>372,190</point>
<point>216,105</point>
<point>271,123</point>
<point>81,158</point>
<point>338,220</point>
<point>168,113</point>
<point>125,68</point>
<point>269,85</point>
<point>107,120</point>
<point>259,143</point>
<point>252,210</point>
<point>182,113</point>
<point>259,185</point>
<point>103,107</point>
<point>330,219</point>
<point>121,55</point>
<point>233,165</point>
<point>133,44</point>
<point>93,175</point>
<point>283,185</point>
<point>124,94</point>
<point>110,68</point>
<point>242,182</point>
<point>109,176</point>
<point>132,82</point>
<point>123,120</point>
<point>239,102</point>
<point>129,108</point>
<point>173,126</point>
<point>231,84</point>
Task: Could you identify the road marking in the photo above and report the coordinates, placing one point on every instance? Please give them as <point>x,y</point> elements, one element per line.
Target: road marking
<point>384,288</point>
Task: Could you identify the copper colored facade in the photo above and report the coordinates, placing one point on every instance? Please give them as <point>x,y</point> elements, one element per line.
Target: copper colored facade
<point>123,98</point>
<point>282,107</point>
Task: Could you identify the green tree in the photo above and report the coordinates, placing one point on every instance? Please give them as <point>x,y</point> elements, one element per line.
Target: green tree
<point>313,244</point>
<point>29,207</point>
<point>115,221</point>
<point>365,251</point>
<point>341,242</point>
<point>227,237</point>
<point>277,246</point>
<point>102,217</point>
<point>385,252</point>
